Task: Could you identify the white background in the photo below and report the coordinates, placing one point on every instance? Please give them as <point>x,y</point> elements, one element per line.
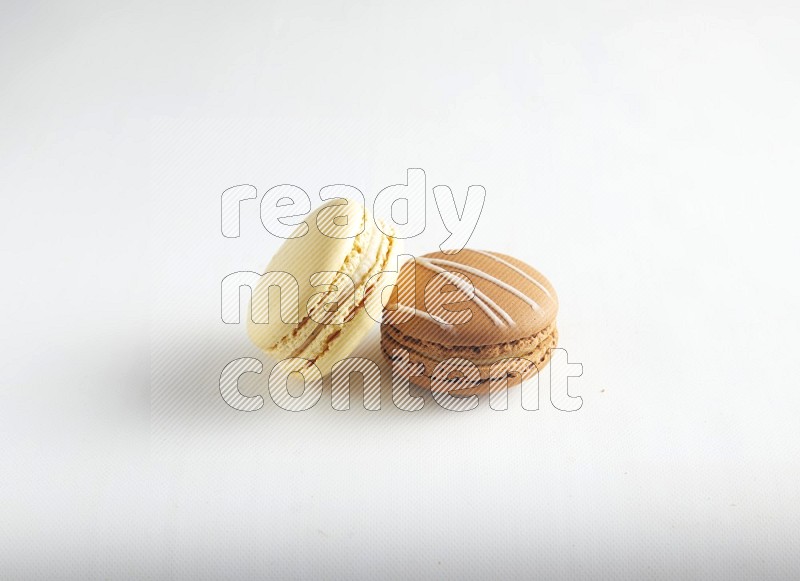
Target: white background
<point>642,155</point>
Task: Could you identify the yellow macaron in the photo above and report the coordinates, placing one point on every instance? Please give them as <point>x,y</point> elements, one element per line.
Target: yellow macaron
<point>341,261</point>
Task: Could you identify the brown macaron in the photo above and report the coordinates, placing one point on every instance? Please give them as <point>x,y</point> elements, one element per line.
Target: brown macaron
<point>489,309</point>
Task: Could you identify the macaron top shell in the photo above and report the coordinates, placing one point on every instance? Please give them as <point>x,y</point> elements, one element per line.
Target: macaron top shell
<point>511,301</point>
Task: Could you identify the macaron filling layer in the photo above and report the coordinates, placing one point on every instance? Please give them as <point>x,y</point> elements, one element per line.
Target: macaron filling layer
<point>489,352</point>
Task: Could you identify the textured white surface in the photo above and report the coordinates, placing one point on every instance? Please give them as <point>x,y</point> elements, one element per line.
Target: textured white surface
<point>642,155</point>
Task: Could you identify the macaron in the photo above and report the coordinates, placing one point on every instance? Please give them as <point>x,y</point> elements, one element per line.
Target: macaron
<point>488,308</point>
<point>340,260</point>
